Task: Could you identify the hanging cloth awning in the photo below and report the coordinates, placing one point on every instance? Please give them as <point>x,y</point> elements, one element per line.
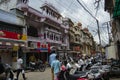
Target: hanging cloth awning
<point>116,12</point>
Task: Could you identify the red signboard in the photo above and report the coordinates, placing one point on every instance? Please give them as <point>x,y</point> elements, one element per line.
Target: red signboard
<point>38,44</point>
<point>7,34</point>
<point>48,48</point>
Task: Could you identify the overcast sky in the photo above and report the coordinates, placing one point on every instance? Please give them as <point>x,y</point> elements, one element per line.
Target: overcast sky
<point>73,10</point>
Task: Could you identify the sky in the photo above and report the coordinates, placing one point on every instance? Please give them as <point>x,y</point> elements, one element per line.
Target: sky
<point>73,10</point>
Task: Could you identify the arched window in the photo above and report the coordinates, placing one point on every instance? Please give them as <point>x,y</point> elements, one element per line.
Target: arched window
<point>25,1</point>
<point>47,34</point>
<point>44,35</point>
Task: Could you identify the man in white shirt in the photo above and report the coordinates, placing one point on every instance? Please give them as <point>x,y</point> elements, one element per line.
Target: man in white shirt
<point>20,68</point>
<point>81,63</point>
<point>73,66</point>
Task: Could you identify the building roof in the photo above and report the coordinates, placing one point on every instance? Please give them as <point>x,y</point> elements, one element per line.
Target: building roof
<point>10,18</point>
<point>51,7</point>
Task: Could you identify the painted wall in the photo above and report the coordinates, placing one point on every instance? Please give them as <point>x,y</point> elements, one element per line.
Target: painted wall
<point>11,18</point>
<point>110,52</point>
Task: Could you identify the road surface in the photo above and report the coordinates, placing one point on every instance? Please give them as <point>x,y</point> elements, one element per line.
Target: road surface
<point>43,75</point>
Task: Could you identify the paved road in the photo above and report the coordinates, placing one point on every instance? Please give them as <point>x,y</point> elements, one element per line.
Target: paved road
<point>38,75</point>
<point>42,75</point>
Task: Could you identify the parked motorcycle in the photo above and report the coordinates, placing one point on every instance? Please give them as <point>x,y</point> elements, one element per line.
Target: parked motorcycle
<point>37,66</point>
<point>99,72</point>
<point>9,72</point>
<point>115,68</point>
<point>78,75</point>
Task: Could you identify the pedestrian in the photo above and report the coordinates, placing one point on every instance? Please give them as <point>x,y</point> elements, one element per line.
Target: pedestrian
<point>72,66</point>
<point>32,58</point>
<point>52,57</point>
<point>56,65</point>
<point>81,63</point>
<point>2,70</point>
<point>20,68</point>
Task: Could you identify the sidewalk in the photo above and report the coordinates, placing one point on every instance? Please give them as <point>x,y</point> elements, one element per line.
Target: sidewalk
<point>37,75</point>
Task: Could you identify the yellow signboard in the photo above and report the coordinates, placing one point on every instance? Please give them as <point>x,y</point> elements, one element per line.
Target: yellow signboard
<point>15,48</point>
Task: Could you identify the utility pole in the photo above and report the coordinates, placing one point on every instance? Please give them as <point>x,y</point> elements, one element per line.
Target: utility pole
<point>107,24</point>
<point>98,31</point>
<point>94,18</point>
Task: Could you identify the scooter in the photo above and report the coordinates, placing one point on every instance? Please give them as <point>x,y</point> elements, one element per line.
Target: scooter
<point>78,75</point>
<point>99,72</point>
<point>9,72</point>
<point>37,66</point>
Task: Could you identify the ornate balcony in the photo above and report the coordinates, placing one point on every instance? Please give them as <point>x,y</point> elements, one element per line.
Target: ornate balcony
<point>23,6</point>
<point>52,18</point>
<point>37,39</point>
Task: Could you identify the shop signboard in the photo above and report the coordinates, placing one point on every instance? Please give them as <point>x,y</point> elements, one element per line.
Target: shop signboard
<point>4,47</point>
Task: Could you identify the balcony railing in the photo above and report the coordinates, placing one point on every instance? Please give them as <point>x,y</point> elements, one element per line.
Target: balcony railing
<point>52,31</point>
<point>51,17</point>
<point>53,41</point>
<point>37,39</point>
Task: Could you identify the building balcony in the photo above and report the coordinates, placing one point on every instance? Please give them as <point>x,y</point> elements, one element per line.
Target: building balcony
<point>65,27</point>
<point>52,18</point>
<point>77,33</point>
<point>23,6</point>
<point>36,39</point>
<point>54,31</point>
<point>53,41</point>
<point>63,44</point>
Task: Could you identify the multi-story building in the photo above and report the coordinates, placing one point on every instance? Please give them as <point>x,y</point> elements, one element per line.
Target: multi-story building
<point>112,7</point>
<point>88,42</point>
<point>12,36</point>
<point>81,41</point>
<point>45,30</point>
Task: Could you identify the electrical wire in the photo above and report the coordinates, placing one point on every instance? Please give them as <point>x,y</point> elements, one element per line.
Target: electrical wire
<point>68,9</point>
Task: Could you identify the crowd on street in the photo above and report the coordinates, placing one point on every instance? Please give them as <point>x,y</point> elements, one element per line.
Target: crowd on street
<point>80,68</point>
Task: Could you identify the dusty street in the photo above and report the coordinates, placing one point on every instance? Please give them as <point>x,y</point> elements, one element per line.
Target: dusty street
<point>42,75</point>
<point>38,75</point>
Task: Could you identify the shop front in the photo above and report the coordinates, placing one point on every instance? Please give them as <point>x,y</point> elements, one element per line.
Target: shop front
<point>9,51</point>
<point>11,39</point>
<point>41,52</point>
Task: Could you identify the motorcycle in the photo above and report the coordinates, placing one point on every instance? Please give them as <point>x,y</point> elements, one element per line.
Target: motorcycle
<point>115,68</point>
<point>99,72</point>
<point>9,72</point>
<point>37,66</point>
<point>78,75</point>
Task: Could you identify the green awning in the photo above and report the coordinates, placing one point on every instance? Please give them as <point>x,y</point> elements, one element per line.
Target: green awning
<point>116,12</point>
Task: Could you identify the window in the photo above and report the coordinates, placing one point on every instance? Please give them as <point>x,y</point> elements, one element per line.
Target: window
<point>25,1</point>
<point>48,35</point>
<point>11,28</point>
<point>32,32</point>
<point>52,36</point>
<point>44,35</point>
<point>75,29</point>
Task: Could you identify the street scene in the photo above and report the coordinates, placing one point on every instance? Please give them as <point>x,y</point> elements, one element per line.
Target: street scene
<point>44,75</point>
<point>59,40</point>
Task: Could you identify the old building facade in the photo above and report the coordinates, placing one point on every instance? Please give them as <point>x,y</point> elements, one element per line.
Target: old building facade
<point>112,7</point>
<point>12,36</point>
<point>45,30</point>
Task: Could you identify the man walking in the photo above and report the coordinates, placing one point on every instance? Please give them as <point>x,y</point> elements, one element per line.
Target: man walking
<point>56,65</point>
<point>52,57</point>
<point>2,70</point>
<point>20,68</point>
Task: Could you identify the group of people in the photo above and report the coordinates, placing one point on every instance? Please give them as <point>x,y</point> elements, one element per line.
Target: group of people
<point>57,66</point>
<point>20,69</point>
